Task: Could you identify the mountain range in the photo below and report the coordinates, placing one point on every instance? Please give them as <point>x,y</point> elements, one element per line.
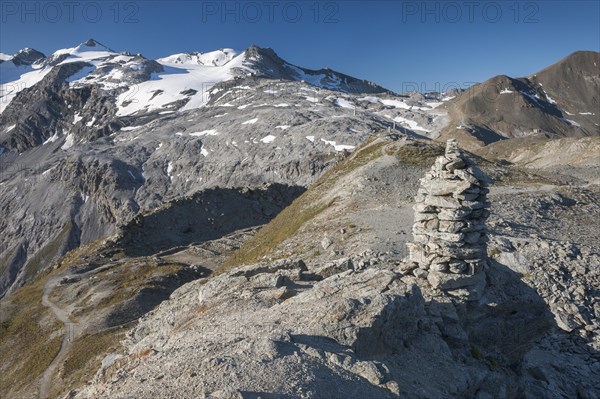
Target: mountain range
<point>229,225</point>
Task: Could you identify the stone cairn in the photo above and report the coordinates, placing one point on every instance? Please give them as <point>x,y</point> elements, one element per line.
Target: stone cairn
<point>449,232</point>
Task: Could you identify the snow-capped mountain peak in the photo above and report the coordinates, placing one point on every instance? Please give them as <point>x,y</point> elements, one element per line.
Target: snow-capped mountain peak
<point>186,79</point>
<point>178,82</point>
<point>93,45</point>
<point>212,58</point>
<point>87,51</point>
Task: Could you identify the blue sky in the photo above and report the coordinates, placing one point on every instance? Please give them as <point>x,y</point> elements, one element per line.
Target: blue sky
<point>402,45</point>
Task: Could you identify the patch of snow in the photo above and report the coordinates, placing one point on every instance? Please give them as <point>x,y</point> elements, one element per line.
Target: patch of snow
<point>48,170</point>
<point>169,170</point>
<point>371,99</point>
<point>282,105</point>
<point>209,132</point>
<point>52,138</point>
<point>282,127</point>
<point>268,139</point>
<point>311,138</point>
<point>534,97</point>
<point>220,115</point>
<point>570,122</point>
<point>506,91</point>
<point>587,113</point>
<point>129,128</point>
<point>410,123</point>
<point>568,113</point>
<point>250,122</point>
<point>91,123</point>
<point>343,103</point>
<point>396,104</point>
<point>69,141</point>
<point>548,98</point>
<point>77,118</point>
<point>318,80</point>
<point>448,98</point>
<point>11,127</point>
<point>204,151</point>
<point>338,147</point>
<point>243,106</point>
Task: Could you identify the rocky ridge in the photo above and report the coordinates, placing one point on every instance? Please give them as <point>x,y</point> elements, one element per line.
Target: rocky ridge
<point>297,327</point>
<point>81,170</point>
<point>558,101</point>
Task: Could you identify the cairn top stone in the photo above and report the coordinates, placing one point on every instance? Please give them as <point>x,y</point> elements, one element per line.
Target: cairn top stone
<point>452,150</point>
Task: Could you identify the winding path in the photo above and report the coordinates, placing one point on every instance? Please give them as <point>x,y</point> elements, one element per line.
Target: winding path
<point>67,342</point>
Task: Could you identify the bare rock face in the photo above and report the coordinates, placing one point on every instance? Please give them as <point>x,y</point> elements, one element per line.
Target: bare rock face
<point>449,230</point>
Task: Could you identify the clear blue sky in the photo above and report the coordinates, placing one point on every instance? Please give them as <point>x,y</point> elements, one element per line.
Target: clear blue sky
<point>398,44</point>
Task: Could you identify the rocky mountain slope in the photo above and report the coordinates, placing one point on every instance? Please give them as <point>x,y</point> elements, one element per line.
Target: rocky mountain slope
<point>229,225</point>
<point>559,101</point>
<point>103,136</point>
<point>47,96</point>
<point>331,299</point>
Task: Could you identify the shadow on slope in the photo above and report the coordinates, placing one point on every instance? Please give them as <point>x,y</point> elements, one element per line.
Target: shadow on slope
<point>205,216</point>
<point>507,342</point>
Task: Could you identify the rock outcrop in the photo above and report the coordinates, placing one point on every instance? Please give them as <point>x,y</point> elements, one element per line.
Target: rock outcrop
<point>449,232</point>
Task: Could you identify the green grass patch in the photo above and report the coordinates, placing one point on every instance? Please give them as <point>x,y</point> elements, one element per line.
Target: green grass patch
<point>85,359</point>
<point>416,153</point>
<point>24,339</point>
<point>286,224</point>
<point>494,252</point>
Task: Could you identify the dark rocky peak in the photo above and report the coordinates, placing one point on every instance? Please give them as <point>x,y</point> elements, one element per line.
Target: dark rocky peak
<point>27,56</point>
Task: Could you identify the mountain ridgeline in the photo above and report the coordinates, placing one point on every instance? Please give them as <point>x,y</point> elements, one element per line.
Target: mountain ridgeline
<point>229,225</point>
<point>561,100</point>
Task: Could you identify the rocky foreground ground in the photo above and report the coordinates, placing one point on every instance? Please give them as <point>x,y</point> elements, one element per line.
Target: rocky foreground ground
<point>333,311</point>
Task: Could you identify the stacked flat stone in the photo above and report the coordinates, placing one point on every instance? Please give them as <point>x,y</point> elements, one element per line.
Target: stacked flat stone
<point>449,230</point>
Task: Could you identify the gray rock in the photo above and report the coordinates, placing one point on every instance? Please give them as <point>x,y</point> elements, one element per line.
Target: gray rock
<point>326,242</point>
<point>446,281</point>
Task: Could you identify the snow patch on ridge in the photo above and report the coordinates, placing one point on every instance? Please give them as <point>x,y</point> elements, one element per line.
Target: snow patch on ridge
<point>338,147</point>
<point>268,139</point>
